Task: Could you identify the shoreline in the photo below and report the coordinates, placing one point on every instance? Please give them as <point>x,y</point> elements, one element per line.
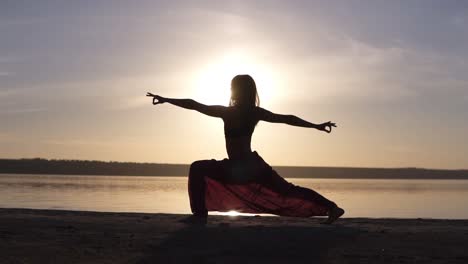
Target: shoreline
<point>95,167</point>
<point>56,236</point>
<point>286,177</point>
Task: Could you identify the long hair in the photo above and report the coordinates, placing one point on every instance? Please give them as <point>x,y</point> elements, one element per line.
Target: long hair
<point>244,92</point>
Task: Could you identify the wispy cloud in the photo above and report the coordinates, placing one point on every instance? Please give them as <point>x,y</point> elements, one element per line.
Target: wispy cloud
<point>9,22</point>
<point>132,103</point>
<point>5,73</point>
<point>4,59</point>
<point>403,149</point>
<point>22,111</point>
<point>79,142</point>
<point>4,92</point>
<point>361,70</point>
<point>459,20</point>
<point>8,138</point>
<point>3,136</point>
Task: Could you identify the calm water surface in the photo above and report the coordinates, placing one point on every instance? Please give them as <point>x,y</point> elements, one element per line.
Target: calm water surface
<point>361,198</point>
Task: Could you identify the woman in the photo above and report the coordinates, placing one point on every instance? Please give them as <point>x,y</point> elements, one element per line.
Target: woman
<point>245,168</point>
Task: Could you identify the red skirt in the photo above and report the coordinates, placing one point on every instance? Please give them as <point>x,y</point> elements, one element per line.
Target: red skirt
<point>250,186</point>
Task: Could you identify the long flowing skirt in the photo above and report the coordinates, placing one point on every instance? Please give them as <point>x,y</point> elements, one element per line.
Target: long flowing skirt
<point>250,186</point>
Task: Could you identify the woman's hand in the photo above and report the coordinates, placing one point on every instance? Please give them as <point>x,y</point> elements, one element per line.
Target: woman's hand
<point>327,126</point>
<point>156,98</point>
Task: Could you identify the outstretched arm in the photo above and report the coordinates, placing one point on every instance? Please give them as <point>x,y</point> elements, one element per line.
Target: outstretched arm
<point>210,110</point>
<point>293,120</point>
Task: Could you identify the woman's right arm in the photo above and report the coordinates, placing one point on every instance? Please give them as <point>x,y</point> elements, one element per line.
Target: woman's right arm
<point>210,110</point>
<point>293,120</point>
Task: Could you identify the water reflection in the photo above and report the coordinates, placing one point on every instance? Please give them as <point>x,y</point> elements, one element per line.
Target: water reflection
<point>361,197</point>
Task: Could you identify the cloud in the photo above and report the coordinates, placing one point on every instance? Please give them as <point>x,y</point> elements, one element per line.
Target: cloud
<point>459,20</point>
<point>9,138</point>
<point>403,149</point>
<point>10,22</point>
<point>80,142</point>
<point>22,111</point>
<point>5,73</point>
<point>5,92</point>
<point>132,103</point>
<point>360,71</point>
<point>4,59</point>
<point>14,101</point>
<point>3,137</point>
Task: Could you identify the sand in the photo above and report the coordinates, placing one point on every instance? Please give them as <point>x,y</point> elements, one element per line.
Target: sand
<point>49,236</point>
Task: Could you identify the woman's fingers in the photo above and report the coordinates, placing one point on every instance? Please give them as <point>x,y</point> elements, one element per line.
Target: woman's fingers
<point>156,98</point>
<point>327,127</point>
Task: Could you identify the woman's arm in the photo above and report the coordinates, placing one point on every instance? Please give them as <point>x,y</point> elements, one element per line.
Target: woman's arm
<point>210,110</point>
<point>292,120</point>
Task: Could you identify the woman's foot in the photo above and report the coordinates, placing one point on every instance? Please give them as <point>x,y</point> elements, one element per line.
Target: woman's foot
<point>333,215</point>
<point>195,220</point>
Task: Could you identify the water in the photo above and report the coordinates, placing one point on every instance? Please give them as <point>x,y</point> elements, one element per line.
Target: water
<point>360,197</point>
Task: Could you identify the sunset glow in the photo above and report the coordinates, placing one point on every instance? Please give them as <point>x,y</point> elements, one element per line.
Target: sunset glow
<point>232,213</point>
<point>73,80</point>
<point>212,81</point>
<point>345,139</point>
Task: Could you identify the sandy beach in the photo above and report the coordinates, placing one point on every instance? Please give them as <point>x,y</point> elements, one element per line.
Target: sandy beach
<point>49,236</point>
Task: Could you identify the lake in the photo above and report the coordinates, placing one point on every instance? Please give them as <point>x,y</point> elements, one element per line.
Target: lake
<point>445,199</point>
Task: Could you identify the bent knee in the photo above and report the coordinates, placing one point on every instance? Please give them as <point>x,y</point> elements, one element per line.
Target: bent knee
<point>198,167</point>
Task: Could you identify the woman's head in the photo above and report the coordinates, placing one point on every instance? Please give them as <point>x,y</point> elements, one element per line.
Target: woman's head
<point>244,91</point>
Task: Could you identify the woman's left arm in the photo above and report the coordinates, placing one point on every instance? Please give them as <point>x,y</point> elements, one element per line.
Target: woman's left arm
<point>292,120</point>
<point>210,110</point>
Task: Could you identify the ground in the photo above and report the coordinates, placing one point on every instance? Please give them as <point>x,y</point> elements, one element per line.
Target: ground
<point>48,236</point>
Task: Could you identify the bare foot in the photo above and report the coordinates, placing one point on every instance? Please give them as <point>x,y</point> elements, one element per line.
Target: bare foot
<point>195,220</point>
<point>333,215</point>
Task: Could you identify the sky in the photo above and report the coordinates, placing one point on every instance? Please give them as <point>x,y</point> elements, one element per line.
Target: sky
<point>391,74</point>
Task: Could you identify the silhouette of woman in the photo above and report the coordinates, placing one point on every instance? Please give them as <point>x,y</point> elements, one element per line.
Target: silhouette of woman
<point>270,192</point>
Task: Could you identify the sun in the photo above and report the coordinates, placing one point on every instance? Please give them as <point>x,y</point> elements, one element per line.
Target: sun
<point>232,213</point>
<point>212,82</point>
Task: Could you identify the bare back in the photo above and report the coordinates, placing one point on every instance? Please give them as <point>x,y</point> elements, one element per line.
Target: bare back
<point>239,125</point>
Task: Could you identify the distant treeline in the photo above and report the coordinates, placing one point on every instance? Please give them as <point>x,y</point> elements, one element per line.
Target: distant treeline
<point>90,167</point>
<point>86,167</point>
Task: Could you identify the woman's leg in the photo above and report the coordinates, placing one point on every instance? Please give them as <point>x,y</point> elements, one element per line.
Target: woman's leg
<point>284,187</point>
<point>197,185</point>
<point>274,181</point>
<point>327,207</point>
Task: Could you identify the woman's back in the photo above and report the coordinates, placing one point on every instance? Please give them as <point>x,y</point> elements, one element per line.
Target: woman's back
<point>239,125</point>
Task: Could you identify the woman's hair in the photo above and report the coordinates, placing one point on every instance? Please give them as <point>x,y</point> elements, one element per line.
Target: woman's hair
<point>244,92</point>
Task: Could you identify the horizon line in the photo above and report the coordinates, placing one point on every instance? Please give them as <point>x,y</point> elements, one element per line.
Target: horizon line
<point>291,166</point>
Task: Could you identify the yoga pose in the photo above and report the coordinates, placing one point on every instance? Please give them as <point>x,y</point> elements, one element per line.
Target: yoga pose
<point>245,182</point>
